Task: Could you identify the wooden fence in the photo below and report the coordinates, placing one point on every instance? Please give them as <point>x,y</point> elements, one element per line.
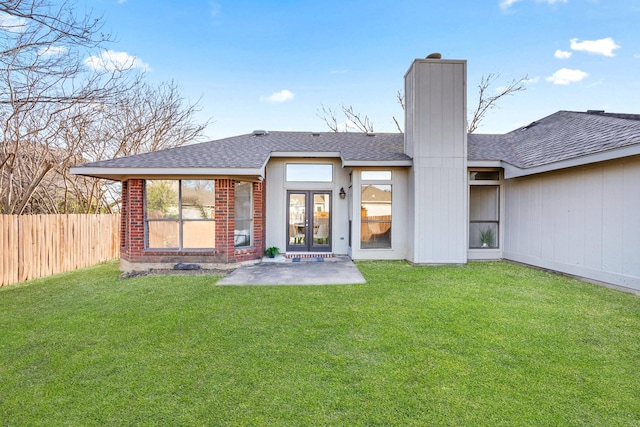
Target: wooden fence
<point>33,246</point>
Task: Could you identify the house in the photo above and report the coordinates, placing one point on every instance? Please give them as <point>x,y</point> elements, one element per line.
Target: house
<point>562,193</point>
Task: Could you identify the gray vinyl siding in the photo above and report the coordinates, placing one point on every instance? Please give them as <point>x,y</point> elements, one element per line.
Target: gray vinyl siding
<point>436,137</point>
<point>582,221</point>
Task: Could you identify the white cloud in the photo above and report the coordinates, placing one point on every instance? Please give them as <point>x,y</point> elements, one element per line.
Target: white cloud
<point>508,3</point>
<point>214,9</point>
<point>111,60</point>
<point>564,76</point>
<point>505,4</point>
<point>12,24</point>
<point>277,97</point>
<point>562,54</point>
<point>604,46</point>
<point>52,50</point>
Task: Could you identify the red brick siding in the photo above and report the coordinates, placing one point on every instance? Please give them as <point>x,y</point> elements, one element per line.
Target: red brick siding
<point>133,225</point>
<point>123,217</point>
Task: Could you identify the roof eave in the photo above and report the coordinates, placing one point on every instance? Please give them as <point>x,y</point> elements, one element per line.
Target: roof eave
<point>377,163</point>
<point>484,163</point>
<point>121,174</point>
<point>305,154</point>
<point>511,171</point>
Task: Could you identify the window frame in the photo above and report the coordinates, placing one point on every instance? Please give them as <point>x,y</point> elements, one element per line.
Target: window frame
<point>376,182</point>
<point>180,220</point>
<point>288,179</point>
<point>498,184</point>
<point>251,215</point>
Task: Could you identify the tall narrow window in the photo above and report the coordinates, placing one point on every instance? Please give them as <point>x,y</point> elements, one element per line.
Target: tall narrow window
<point>484,210</point>
<point>180,214</point>
<point>375,211</point>
<point>243,214</point>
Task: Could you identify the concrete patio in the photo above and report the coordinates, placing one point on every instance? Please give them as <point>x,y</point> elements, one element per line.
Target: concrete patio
<point>282,271</point>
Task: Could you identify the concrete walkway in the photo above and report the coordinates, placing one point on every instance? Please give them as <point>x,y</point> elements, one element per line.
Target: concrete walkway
<point>280,271</point>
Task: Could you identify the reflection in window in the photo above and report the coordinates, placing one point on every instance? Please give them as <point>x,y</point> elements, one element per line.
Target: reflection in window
<point>484,208</point>
<point>376,175</point>
<point>243,214</point>
<point>310,172</point>
<point>484,175</point>
<point>375,221</point>
<point>321,211</point>
<point>180,214</point>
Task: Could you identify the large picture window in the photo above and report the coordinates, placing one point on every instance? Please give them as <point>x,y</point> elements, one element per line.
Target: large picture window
<point>375,209</point>
<point>180,214</point>
<point>243,214</point>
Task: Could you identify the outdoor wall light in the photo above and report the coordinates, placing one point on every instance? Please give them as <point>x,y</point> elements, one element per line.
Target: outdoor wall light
<point>342,193</point>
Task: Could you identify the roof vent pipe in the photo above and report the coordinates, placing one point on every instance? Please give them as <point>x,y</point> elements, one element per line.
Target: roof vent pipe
<point>260,133</point>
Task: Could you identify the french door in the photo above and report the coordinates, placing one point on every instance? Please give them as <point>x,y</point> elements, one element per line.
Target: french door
<point>308,221</point>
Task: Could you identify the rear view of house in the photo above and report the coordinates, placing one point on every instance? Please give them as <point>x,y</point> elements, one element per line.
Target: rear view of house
<point>561,193</point>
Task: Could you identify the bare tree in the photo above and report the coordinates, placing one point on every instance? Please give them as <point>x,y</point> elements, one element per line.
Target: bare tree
<point>147,118</point>
<point>400,100</point>
<point>41,80</point>
<point>352,119</point>
<point>486,102</point>
<point>55,111</point>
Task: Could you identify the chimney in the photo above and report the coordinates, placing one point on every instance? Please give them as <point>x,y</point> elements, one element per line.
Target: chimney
<point>436,138</point>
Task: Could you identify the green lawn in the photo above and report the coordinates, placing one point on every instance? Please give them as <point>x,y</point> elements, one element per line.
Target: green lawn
<point>485,344</point>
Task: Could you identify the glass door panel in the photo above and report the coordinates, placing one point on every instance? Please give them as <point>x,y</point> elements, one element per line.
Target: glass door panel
<point>308,221</point>
<point>297,221</point>
<point>320,219</point>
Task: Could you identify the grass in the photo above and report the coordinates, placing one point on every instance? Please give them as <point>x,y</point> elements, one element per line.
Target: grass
<point>485,344</point>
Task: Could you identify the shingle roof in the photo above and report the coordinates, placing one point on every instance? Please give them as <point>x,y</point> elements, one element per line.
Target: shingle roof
<point>561,136</point>
<point>249,151</point>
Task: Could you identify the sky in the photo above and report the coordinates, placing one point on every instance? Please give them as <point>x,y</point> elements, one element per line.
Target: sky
<point>273,64</point>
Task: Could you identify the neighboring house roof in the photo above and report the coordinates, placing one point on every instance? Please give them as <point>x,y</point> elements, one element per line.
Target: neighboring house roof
<point>248,154</point>
<point>373,194</point>
<point>561,140</point>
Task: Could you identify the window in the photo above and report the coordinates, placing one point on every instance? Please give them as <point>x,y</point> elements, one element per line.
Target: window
<point>484,210</point>
<point>309,172</point>
<point>243,214</point>
<point>375,211</point>
<point>376,175</point>
<point>484,176</point>
<point>180,214</point>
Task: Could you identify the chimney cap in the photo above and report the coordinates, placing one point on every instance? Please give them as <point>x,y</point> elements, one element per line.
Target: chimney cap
<point>434,55</point>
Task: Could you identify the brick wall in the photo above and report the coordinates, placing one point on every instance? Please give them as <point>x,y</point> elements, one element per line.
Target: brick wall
<point>133,237</point>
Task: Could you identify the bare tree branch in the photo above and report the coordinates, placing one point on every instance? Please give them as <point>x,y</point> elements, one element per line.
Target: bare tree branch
<point>353,119</point>
<point>328,116</point>
<point>487,102</point>
<point>56,112</point>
